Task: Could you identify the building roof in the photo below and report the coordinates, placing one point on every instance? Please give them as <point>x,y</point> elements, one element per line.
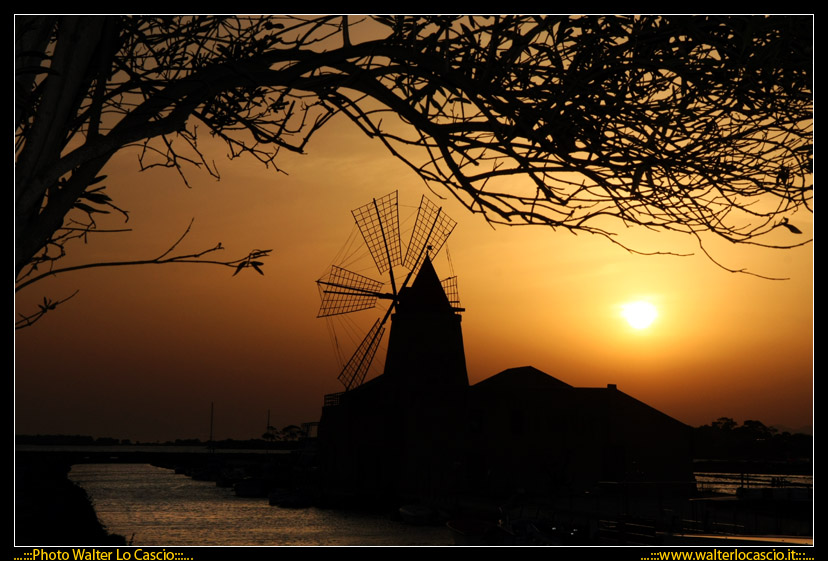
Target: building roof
<point>527,377</point>
<point>426,294</point>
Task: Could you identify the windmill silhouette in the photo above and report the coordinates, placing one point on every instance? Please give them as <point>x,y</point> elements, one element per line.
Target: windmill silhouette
<point>344,292</point>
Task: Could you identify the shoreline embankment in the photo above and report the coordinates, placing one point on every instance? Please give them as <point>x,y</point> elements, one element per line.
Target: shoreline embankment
<point>50,509</point>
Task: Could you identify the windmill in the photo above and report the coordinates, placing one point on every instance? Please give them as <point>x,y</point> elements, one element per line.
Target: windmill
<point>344,292</point>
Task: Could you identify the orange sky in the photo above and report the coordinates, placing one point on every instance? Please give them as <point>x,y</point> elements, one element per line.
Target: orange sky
<point>140,353</point>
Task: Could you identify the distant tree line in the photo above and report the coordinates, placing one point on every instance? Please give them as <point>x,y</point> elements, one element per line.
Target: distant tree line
<point>724,439</point>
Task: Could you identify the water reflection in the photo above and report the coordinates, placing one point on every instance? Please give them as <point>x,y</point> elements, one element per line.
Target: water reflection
<point>155,506</point>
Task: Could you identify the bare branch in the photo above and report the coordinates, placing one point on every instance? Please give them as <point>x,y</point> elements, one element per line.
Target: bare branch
<point>690,124</point>
<point>47,306</point>
<point>251,260</point>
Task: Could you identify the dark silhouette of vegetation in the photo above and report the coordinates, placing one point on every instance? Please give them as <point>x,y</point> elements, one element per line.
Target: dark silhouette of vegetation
<point>290,433</point>
<point>724,439</point>
<point>590,124</point>
<point>51,510</point>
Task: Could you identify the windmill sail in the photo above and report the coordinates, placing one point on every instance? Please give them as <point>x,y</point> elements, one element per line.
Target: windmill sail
<point>452,293</point>
<point>431,230</point>
<point>354,372</point>
<point>379,222</point>
<point>344,291</point>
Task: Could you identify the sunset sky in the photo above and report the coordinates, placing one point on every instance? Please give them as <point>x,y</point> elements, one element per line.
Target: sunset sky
<point>141,352</point>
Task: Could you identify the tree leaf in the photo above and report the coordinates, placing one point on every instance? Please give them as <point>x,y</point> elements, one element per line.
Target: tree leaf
<point>89,209</point>
<point>791,227</point>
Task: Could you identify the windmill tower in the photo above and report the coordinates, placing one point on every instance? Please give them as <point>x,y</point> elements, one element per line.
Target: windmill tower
<point>425,348</point>
<point>425,338</point>
<point>398,433</point>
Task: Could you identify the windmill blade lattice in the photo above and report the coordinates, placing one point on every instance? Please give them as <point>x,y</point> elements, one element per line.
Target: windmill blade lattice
<point>354,372</point>
<point>431,230</point>
<point>344,291</point>
<point>379,222</point>
<point>450,288</point>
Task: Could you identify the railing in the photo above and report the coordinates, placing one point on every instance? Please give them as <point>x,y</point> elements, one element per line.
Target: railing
<point>627,531</point>
<point>731,483</point>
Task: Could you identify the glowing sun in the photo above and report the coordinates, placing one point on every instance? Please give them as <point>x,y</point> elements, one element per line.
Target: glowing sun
<point>640,314</point>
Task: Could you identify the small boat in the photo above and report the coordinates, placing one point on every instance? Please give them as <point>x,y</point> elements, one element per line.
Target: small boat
<point>418,515</point>
<point>251,487</point>
<point>471,531</point>
<point>289,498</point>
<point>530,532</point>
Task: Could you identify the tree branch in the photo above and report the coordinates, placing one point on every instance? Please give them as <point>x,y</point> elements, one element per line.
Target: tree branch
<point>687,124</point>
<point>251,260</point>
